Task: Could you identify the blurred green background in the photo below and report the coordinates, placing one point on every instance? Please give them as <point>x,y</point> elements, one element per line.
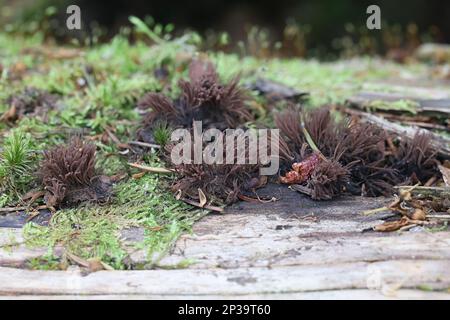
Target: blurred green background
<point>326,28</point>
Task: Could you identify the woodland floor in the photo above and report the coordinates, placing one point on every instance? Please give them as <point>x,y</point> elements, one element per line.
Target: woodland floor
<point>292,248</point>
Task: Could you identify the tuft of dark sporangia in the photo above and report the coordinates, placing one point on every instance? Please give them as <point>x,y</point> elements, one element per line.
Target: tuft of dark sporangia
<point>69,175</point>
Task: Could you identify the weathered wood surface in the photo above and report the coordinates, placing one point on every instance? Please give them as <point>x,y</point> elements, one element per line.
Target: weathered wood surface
<point>294,248</point>
<point>425,88</point>
<point>433,102</point>
<point>297,231</point>
<point>354,294</point>
<point>14,252</point>
<point>385,276</point>
<point>424,105</point>
<point>17,219</point>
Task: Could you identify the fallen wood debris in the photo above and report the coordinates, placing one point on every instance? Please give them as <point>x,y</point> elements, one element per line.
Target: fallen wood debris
<point>439,142</point>
<point>418,205</point>
<point>276,91</point>
<point>400,103</point>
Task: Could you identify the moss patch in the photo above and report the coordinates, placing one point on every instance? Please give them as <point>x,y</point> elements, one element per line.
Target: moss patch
<point>94,231</point>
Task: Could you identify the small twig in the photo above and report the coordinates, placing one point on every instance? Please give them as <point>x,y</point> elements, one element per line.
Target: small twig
<point>196,204</point>
<point>32,216</point>
<point>425,191</point>
<point>245,198</point>
<point>115,139</point>
<point>257,199</point>
<point>273,199</point>
<point>373,211</point>
<point>444,216</point>
<point>426,125</point>
<point>144,144</point>
<point>151,169</point>
<point>33,196</point>
<point>14,209</point>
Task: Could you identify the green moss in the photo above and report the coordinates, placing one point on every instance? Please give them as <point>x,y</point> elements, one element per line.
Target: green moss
<point>47,262</point>
<point>399,105</point>
<point>326,82</point>
<point>15,163</point>
<point>94,231</point>
<point>161,132</point>
<point>426,288</point>
<point>444,227</point>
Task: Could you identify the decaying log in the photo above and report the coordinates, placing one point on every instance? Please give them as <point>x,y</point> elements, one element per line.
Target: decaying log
<point>439,143</point>
<point>291,248</point>
<point>440,107</point>
<point>355,294</point>
<point>385,276</point>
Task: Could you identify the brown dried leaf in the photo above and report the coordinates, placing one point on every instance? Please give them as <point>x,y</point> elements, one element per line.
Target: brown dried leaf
<point>156,228</point>
<point>202,198</point>
<point>419,214</point>
<point>92,264</point>
<point>138,175</point>
<point>392,225</point>
<point>95,264</point>
<point>10,115</point>
<point>78,260</point>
